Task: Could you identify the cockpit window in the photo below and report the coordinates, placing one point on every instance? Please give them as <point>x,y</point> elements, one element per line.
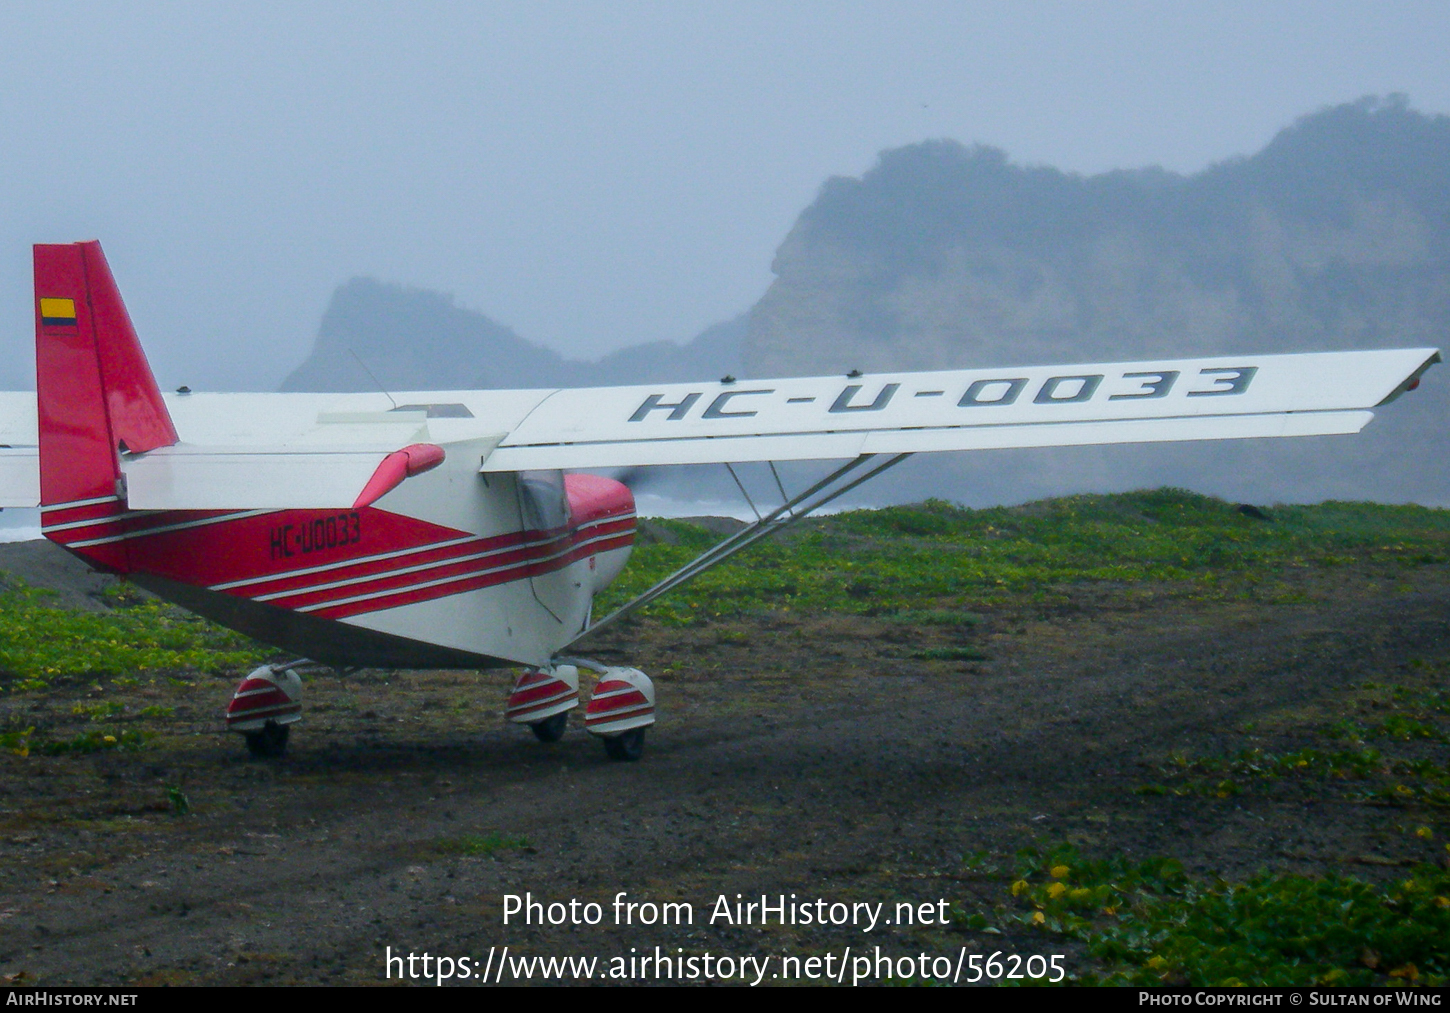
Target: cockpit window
<point>437,411</point>
<point>543,500</point>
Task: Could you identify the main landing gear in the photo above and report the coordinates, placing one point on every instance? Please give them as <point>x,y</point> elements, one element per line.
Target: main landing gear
<point>268,743</point>
<point>264,707</point>
<point>551,729</point>
<point>619,711</point>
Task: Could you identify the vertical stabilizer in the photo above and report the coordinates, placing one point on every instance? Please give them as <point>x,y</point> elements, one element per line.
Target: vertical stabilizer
<point>95,392</point>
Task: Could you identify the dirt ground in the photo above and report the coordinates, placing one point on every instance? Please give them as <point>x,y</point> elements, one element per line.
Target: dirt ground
<point>794,754</point>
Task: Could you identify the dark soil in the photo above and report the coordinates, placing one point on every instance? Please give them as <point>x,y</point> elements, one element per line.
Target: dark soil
<point>794,754</point>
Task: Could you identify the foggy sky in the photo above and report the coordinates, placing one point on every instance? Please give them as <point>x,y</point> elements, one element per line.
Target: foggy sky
<point>593,175</point>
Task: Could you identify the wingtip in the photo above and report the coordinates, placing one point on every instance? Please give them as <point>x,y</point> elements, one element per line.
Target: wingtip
<point>1412,381</point>
<point>397,466</point>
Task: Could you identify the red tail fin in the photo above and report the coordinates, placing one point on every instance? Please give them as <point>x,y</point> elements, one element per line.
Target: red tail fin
<point>95,389</point>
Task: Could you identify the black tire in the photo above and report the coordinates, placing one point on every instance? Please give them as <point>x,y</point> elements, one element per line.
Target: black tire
<point>269,743</point>
<point>626,746</point>
<point>551,729</point>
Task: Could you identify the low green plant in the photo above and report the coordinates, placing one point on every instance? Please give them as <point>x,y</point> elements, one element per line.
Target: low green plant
<point>479,844</point>
<point>933,617</point>
<point>177,800</point>
<point>1149,923</point>
<point>934,561</point>
<point>17,740</point>
<point>40,644</point>
<point>94,741</point>
<point>1396,780</point>
<point>949,654</point>
<point>101,711</point>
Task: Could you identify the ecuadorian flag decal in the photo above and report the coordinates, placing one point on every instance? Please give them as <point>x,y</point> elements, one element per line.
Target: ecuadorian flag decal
<point>58,312</point>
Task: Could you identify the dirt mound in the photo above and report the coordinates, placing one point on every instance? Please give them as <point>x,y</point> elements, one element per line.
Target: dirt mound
<point>45,565</point>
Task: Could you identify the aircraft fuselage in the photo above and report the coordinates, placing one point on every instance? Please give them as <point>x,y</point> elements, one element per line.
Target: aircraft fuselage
<point>451,569</point>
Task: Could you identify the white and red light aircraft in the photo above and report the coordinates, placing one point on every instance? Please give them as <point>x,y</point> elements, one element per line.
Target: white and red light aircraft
<point>443,531</point>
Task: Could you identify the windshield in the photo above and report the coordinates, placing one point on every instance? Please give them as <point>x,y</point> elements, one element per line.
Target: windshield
<point>542,499</point>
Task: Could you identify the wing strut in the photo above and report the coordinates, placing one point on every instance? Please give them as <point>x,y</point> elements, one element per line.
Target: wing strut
<point>827,489</point>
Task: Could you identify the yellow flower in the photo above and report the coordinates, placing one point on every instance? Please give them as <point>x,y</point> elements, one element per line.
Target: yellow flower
<point>1425,833</point>
<point>1156,963</point>
<point>1018,887</point>
<point>1058,871</point>
<point>1056,890</point>
<point>1442,902</point>
<point>1038,918</point>
<point>109,740</point>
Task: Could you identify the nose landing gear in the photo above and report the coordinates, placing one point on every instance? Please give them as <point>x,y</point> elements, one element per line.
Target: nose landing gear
<point>621,707</point>
<point>626,746</point>
<point>542,699</point>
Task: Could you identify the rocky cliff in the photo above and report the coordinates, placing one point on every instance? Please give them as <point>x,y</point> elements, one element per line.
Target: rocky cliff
<point>375,334</point>
<point>1335,235</point>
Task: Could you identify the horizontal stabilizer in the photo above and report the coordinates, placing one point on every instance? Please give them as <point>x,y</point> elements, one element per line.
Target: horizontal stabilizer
<point>17,419</point>
<point>19,453</point>
<point>184,478</point>
<point>261,478</point>
<point>19,477</point>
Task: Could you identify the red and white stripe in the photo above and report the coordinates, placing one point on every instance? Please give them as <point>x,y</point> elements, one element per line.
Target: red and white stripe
<point>438,570</point>
<point>538,695</point>
<point>441,562</point>
<point>618,705</point>
<point>260,700</point>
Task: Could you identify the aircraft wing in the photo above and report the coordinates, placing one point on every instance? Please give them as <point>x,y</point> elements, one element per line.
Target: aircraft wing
<point>1228,397</point>
<point>318,451</point>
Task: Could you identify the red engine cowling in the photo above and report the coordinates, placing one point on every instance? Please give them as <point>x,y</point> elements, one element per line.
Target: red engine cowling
<point>603,514</point>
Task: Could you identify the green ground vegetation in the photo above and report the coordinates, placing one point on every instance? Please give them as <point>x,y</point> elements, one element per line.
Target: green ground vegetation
<point>938,559</point>
<point>1388,749</point>
<point>484,845</point>
<point>1148,923</point>
<point>41,645</point>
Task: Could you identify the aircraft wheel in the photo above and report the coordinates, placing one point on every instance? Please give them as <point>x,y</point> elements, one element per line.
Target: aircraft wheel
<point>627,746</point>
<point>268,743</point>
<point>551,729</point>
